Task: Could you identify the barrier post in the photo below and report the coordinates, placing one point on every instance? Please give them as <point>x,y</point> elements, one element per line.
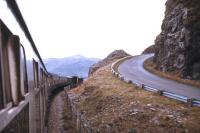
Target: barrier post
<point>189,102</point>
<point>130,82</point>
<point>121,78</point>
<point>142,86</point>
<point>160,92</point>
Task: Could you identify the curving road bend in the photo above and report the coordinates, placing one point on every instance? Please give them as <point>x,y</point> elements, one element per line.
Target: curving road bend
<point>133,70</point>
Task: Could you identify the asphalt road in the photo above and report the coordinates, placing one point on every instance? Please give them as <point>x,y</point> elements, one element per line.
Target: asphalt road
<point>133,69</point>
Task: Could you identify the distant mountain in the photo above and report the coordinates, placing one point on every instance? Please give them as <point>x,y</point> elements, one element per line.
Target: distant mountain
<point>70,66</point>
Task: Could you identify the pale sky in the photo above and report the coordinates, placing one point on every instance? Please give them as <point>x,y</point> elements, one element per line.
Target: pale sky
<point>93,28</point>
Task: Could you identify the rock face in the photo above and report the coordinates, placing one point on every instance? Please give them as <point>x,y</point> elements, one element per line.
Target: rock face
<point>117,54</point>
<point>150,49</point>
<point>178,44</point>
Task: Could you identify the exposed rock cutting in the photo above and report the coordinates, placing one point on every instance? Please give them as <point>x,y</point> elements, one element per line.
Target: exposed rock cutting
<point>178,45</point>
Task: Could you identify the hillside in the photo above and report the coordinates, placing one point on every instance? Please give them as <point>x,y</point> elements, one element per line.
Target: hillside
<point>70,66</point>
<point>117,54</point>
<point>111,105</point>
<point>150,49</point>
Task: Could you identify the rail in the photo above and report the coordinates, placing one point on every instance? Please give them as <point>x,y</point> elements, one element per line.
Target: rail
<point>189,101</point>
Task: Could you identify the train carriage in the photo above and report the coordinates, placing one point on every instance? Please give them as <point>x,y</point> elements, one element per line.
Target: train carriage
<point>25,84</point>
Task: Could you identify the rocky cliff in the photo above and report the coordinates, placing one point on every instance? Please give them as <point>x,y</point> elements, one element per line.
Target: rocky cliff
<point>117,54</point>
<point>178,44</point>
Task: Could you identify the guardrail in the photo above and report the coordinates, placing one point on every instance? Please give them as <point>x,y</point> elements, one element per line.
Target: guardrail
<point>189,101</point>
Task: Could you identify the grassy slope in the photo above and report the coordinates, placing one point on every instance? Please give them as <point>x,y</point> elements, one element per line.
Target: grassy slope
<point>114,106</point>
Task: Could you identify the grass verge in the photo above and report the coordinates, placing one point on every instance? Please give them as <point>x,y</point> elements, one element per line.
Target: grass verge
<point>151,67</point>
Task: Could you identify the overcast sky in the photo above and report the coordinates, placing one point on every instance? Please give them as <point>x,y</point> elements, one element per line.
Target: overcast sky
<point>92,28</point>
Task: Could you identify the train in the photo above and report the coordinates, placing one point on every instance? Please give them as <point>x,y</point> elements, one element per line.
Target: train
<point>25,83</point>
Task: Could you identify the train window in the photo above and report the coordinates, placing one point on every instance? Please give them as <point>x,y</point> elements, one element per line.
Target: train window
<point>1,81</point>
<point>1,88</point>
<point>13,50</point>
<point>41,75</point>
<point>5,82</point>
<point>45,76</point>
<point>23,70</point>
<point>35,71</point>
<point>11,68</point>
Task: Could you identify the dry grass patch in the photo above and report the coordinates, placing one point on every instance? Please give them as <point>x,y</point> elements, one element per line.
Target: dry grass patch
<point>151,67</point>
<point>111,105</point>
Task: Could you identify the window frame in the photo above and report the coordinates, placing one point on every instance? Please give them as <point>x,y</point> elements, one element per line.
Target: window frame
<point>41,76</point>
<point>14,65</point>
<point>1,84</point>
<point>36,73</point>
<point>5,86</point>
<point>24,68</point>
